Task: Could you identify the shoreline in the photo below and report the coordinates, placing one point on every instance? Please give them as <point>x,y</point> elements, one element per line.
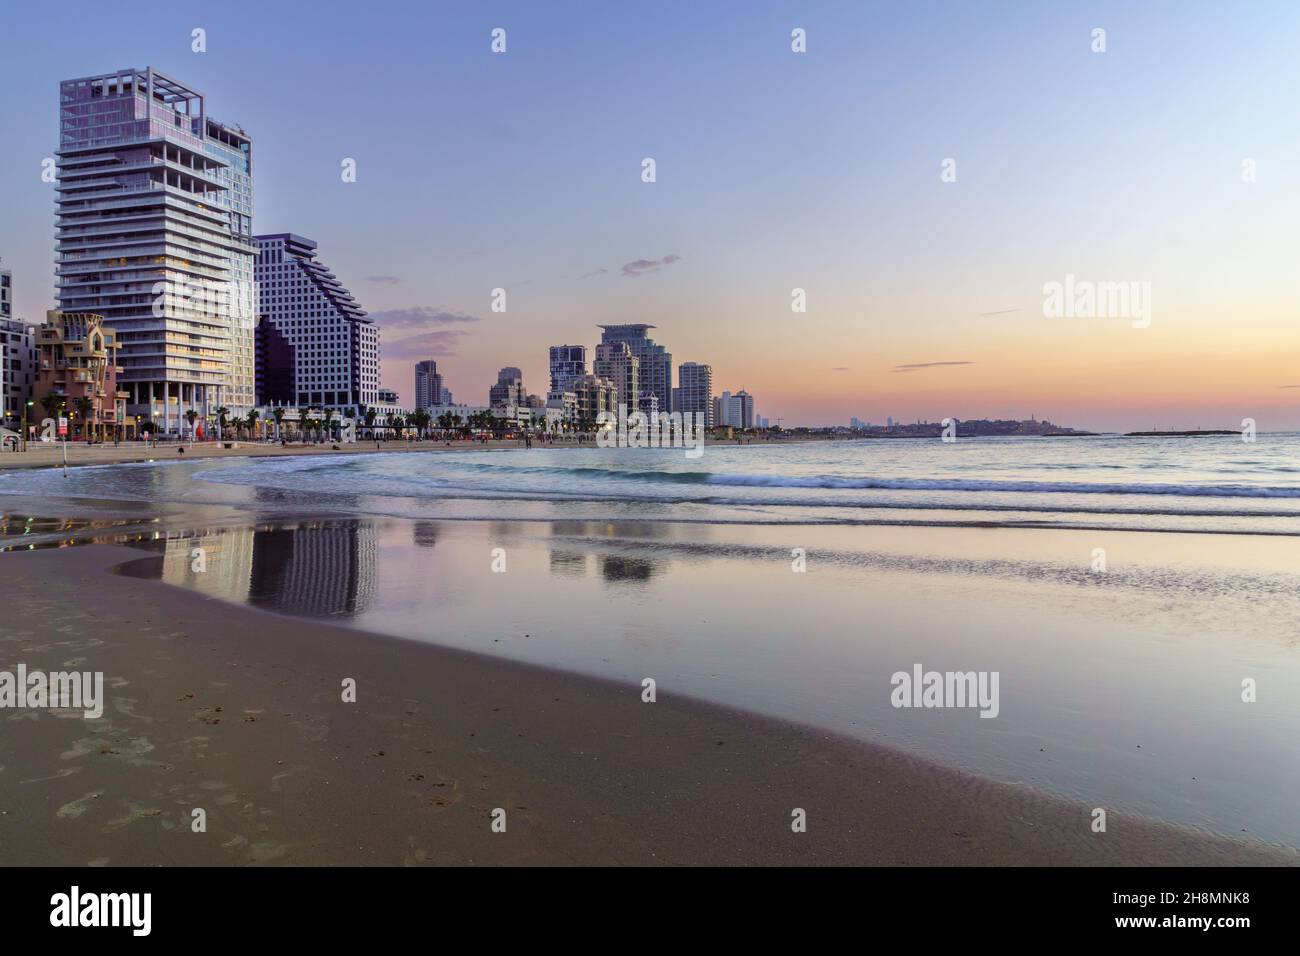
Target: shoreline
<point>50,455</point>
<point>237,710</point>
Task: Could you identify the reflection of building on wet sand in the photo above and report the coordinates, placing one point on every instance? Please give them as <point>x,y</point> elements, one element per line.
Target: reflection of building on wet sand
<point>618,567</point>
<point>573,563</point>
<point>612,567</point>
<point>315,569</point>
<point>226,562</point>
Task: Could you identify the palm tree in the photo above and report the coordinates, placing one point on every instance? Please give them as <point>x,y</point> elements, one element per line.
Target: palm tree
<point>222,421</point>
<point>253,416</point>
<point>329,432</point>
<point>397,423</point>
<point>85,408</point>
<point>53,404</point>
<point>370,421</point>
<point>421,419</point>
<point>191,416</point>
<point>278,415</point>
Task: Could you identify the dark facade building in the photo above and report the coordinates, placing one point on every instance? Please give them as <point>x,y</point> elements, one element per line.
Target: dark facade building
<point>275,365</point>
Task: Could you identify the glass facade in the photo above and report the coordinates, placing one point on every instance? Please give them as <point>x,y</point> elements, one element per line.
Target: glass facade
<point>155,206</point>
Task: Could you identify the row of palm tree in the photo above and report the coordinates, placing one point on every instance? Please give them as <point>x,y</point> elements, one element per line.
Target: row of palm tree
<point>326,427</point>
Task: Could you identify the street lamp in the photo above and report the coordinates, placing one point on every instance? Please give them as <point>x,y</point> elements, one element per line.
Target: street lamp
<point>23,435</point>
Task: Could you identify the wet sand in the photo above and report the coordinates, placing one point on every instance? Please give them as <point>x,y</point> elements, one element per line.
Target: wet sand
<point>238,711</point>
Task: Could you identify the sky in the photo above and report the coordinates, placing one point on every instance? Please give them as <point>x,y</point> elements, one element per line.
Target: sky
<point>1171,161</point>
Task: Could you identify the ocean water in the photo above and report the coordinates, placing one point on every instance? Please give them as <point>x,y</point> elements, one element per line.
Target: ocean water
<point>1191,484</point>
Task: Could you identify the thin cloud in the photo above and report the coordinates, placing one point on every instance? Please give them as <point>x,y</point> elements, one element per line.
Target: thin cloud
<point>1002,312</point>
<point>640,267</point>
<point>1289,386</point>
<point>442,342</point>
<point>383,280</point>
<point>840,368</point>
<point>593,272</point>
<point>420,317</point>
<point>912,367</point>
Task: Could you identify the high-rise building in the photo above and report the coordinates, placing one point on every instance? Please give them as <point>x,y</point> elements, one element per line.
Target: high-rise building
<point>428,385</point>
<point>78,360</point>
<point>654,362</point>
<point>736,411</point>
<point>509,389</point>
<point>745,402</point>
<point>615,361</point>
<point>567,363</point>
<point>155,227</point>
<point>695,387</point>
<point>6,295</point>
<point>336,347</point>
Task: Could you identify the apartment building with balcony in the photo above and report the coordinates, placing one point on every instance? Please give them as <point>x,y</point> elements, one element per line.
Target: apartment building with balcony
<point>335,345</point>
<point>615,362</point>
<point>654,366</point>
<point>695,391</point>
<point>155,233</point>
<point>17,358</point>
<point>77,357</point>
<point>567,362</point>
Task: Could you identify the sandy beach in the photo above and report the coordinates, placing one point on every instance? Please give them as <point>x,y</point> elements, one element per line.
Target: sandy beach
<point>50,455</point>
<point>239,712</point>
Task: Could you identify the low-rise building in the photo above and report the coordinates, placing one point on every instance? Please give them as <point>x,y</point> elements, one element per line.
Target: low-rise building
<point>78,360</point>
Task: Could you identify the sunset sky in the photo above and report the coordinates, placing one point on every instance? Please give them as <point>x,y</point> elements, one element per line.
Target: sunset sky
<point>775,170</point>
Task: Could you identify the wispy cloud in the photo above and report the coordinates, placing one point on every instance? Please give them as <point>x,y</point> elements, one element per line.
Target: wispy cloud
<point>593,272</point>
<point>840,368</point>
<point>1289,386</point>
<point>912,367</point>
<point>383,280</point>
<point>1002,312</point>
<point>640,267</point>
<point>425,345</point>
<point>420,317</point>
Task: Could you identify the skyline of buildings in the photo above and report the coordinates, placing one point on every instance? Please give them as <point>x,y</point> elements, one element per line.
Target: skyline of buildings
<point>726,180</point>
<point>156,254</point>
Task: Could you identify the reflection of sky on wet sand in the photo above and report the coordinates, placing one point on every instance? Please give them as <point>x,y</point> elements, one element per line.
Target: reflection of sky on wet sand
<point>1121,689</point>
